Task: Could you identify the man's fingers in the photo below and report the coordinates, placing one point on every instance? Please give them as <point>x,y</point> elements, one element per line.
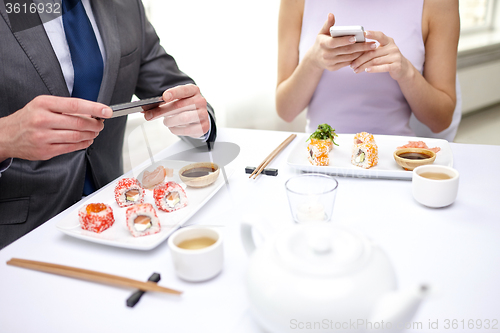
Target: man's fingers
<point>64,148</point>
<point>192,130</point>
<point>180,92</point>
<point>186,117</point>
<point>70,105</point>
<point>71,137</point>
<point>77,123</point>
<point>330,21</point>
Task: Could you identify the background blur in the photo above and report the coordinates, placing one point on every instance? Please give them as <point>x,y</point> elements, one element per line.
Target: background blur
<point>230,48</point>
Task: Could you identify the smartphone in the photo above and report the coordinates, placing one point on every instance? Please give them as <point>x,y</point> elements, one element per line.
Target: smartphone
<point>136,106</point>
<point>349,30</point>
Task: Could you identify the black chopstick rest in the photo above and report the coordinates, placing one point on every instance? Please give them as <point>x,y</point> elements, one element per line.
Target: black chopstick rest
<point>136,296</point>
<point>267,172</point>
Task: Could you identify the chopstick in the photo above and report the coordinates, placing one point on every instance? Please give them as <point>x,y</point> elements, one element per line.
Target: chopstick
<point>271,156</point>
<point>89,275</point>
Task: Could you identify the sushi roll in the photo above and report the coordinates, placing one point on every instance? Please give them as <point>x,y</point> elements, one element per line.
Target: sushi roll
<point>363,137</point>
<point>96,217</point>
<point>326,134</point>
<point>170,197</point>
<point>142,220</point>
<point>318,153</point>
<point>364,155</point>
<point>128,192</point>
<point>320,144</point>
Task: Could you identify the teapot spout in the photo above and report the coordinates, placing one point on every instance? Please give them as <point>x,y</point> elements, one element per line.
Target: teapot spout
<point>399,307</point>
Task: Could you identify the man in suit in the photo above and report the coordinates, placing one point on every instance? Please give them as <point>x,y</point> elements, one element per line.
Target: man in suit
<point>53,146</point>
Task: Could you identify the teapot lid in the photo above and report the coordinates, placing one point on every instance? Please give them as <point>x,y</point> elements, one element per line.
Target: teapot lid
<point>322,249</point>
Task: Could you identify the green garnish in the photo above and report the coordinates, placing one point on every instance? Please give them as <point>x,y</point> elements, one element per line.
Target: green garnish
<point>324,132</point>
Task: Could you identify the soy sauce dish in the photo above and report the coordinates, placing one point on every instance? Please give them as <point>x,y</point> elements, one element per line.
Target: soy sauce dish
<point>410,158</point>
<point>199,174</point>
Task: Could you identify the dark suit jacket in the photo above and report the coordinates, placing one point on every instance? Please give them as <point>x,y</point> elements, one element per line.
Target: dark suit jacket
<point>31,192</point>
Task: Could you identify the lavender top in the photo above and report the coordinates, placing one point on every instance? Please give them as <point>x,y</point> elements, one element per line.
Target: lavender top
<point>370,102</point>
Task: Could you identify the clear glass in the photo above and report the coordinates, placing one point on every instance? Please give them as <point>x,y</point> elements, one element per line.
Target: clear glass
<point>311,197</point>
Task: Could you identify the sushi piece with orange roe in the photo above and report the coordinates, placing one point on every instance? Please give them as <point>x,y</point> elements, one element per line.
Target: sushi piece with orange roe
<point>318,152</point>
<point>320,144</point>
<point>96,217</point>
<point>365,155</point>
<point>363,137</point>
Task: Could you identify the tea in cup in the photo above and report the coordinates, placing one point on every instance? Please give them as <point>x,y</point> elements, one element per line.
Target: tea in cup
<point>196,253</point>
<point>435,185</point>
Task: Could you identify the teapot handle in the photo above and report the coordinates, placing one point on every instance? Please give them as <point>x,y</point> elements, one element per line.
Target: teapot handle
<point>248,223</point>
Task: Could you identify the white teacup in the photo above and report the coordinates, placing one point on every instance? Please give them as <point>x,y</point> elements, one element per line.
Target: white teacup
<point>197,253</point>
<point>435,185</point>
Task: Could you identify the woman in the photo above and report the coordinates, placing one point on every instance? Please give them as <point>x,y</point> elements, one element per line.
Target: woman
<point>373,86</point>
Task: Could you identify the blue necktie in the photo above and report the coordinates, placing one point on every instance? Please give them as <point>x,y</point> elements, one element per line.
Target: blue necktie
<point>87,61</point>
<point>85,54</point>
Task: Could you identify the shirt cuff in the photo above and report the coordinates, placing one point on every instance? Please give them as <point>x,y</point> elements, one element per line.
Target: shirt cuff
<point>4,165</point>
<point>205,136</point>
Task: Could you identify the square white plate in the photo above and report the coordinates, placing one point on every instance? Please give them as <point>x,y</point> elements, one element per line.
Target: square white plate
<point>118,234</point>
<point>387,168</point>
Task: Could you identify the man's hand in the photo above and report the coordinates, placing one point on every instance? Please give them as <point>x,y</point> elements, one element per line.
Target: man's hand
<point>185,111</point>
<point>49,126</point>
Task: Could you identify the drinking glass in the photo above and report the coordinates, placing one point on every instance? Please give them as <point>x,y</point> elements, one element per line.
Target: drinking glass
<point>311,197</point>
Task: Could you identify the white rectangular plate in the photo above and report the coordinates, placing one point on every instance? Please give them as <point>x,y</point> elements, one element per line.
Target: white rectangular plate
<point>118,234</point>
<point>387,168</point>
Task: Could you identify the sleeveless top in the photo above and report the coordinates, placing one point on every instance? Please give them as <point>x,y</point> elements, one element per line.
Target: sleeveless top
<point>369,102</point>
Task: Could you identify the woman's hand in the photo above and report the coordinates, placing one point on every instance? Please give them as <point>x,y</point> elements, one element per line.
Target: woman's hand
<point>385,58</point>
<point>337,52</point>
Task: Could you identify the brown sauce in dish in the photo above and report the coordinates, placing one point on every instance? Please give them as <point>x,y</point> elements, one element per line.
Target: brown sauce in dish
<point>414,156</point>
<point>198,172</point>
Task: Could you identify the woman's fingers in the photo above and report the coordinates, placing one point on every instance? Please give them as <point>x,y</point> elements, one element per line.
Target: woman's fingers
<point>379,37</point>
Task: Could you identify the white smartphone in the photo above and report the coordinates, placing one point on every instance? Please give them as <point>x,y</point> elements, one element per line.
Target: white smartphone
<point>349,30</point>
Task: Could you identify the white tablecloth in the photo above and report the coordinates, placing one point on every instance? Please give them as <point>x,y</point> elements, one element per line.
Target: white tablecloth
<point>456,250</point>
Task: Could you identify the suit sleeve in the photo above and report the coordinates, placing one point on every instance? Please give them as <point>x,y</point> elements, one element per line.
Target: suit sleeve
<point>159,72</point>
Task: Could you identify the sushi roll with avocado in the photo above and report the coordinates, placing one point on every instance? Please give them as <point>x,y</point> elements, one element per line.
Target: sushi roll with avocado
<point>142,220</point>
<point>128,192</point>
<point>320,144</point>
<point>364,155</point>
<point>318,153</point>
<point>170,197</point>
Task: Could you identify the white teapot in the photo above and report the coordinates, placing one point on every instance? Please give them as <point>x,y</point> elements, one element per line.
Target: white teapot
<point>322,278</point>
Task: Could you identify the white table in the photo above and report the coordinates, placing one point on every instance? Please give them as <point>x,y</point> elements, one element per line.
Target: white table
<point>456,250</point>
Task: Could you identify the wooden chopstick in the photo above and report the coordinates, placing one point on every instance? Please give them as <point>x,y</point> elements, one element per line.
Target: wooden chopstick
<point>89,275</point>
<point>271,156</point>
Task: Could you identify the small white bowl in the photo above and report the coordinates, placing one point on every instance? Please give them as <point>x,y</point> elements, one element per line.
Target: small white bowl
<point>435,193</point>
